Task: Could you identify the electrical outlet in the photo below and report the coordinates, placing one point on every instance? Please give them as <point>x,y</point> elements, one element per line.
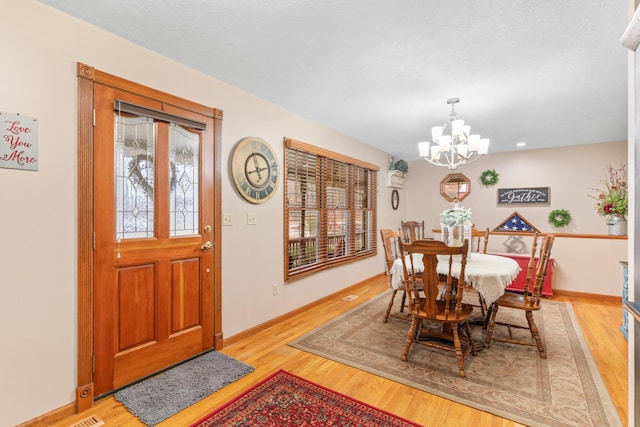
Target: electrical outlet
<point>251,218</point>
<point>275,289</point>
<point>227,219</point>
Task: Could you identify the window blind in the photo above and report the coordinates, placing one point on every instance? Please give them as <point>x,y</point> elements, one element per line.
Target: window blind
<point>330,209</point>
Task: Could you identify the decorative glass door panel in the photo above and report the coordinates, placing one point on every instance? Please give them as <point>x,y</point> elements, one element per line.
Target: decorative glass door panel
<point>135,170</point>
<point>184,167</point>
<point>134,162</point>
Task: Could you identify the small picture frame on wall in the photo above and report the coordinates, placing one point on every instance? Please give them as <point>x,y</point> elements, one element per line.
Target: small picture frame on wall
<point>395,199</point>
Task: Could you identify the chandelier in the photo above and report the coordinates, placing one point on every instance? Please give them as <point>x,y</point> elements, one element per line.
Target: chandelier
<point>458,148</point>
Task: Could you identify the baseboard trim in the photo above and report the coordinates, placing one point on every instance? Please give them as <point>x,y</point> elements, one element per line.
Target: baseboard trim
<point>344,292</point>
<point>611,298</point>
<point>49,418</point>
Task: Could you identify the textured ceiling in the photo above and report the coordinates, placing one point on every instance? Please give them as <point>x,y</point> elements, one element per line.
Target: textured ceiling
<point>545,72</point>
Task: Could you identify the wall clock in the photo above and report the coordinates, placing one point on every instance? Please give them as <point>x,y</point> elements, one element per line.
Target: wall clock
<point>255,169</point>
<point>395,199</point>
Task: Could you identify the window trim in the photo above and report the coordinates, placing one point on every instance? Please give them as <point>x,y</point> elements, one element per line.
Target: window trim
<point>371,240</point>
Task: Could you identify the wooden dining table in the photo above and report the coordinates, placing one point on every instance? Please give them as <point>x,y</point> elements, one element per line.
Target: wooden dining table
<point>486,273</point>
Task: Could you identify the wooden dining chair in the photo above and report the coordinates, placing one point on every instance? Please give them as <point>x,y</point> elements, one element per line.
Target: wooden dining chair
<point>479,242</point>
<point>528,301</point>
<point>530,266</point>
<point>441,304</point>
<point>391,245</point>
<point>412,230</point>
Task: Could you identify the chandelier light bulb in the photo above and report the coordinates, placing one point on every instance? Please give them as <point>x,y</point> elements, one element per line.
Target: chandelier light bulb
<point>457,127</point>
<point>423,147</point>
<point>483,147</point>
<point>435,151</point>
<point>474,142</point>
<point>445,142</point>
<point>436,133</point>
<point>466,131</point>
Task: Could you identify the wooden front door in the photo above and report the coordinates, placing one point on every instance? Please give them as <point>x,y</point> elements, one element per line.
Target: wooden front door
<point>154,246</point>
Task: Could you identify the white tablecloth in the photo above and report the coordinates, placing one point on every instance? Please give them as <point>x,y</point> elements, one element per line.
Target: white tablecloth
<point>488,274</point>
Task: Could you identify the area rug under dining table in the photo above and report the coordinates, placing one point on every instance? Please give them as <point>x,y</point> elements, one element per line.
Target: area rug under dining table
<point>508,380</point>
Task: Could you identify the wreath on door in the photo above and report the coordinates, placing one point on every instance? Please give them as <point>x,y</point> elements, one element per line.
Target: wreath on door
<point>141,173</point>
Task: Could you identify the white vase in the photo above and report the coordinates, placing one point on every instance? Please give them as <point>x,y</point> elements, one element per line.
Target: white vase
<point>617,225</point>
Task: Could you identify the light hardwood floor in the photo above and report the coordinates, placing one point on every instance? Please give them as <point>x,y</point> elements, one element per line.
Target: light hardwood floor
<point>266,349</point>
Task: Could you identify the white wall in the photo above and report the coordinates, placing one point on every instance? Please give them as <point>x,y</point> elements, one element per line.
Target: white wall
<point>38,250</point>
<point>570,173</point>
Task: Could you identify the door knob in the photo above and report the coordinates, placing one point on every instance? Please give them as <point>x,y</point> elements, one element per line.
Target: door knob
<point>207,245</point>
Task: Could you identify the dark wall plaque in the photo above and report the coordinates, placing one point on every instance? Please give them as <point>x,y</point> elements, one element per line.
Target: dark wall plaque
<point>523,196</point>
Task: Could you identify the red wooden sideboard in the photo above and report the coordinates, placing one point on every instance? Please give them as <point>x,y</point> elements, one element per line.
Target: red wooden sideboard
<point>519,282</point>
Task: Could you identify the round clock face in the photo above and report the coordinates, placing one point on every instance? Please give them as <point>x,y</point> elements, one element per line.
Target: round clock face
<point>255,169</point>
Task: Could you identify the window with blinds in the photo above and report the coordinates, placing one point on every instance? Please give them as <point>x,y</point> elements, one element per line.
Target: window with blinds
<point>330,209</point>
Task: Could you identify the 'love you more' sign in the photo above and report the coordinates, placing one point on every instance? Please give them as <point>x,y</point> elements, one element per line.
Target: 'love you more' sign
<point>18,142</point>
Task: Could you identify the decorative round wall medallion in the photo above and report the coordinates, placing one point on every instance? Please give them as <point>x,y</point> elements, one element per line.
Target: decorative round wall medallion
<point>395,199</point>
<point>255,169</point>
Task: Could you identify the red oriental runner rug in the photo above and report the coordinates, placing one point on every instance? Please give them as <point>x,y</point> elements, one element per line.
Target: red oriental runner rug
<point>284,399</point>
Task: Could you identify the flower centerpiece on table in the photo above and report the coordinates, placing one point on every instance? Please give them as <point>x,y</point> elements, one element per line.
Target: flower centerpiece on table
<point>455,225</point>
<point>612,197</point>
<point>456,216</point>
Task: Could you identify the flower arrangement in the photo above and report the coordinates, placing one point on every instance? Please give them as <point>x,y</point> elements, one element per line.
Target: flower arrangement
<point>612,198</point>
<point>455,216</point>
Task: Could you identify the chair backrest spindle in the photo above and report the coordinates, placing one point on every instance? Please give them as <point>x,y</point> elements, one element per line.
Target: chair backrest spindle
<point>541,270</point>
<point>531,264</point>
<point>412,230</point>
